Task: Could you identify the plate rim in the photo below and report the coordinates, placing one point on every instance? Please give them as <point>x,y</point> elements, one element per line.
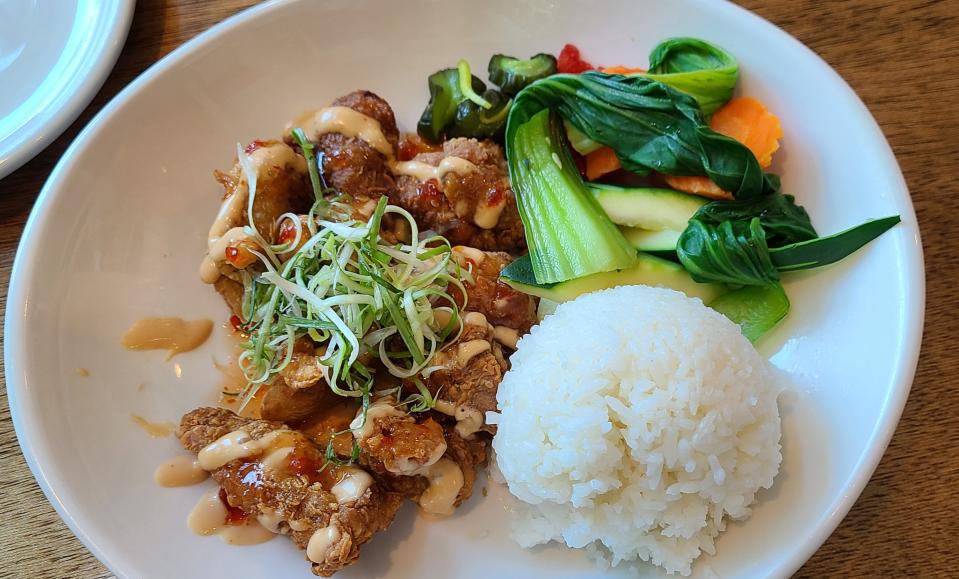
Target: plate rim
<point>92,73</point>
<point>913,306</point>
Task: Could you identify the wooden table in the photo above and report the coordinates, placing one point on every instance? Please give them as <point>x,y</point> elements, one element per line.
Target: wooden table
<point>900,56</point>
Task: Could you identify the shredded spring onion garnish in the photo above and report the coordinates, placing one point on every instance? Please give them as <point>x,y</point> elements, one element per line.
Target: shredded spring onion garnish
<point>466,85</point>
<point>358,296</point>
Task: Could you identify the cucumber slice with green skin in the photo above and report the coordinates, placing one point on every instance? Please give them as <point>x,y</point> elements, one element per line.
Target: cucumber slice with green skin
<point>648,270</point>
<point>647,207</point>
<point>757,309</point>
<point>646,240</point>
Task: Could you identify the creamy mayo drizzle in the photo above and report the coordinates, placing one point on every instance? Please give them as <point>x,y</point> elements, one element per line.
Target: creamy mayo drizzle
<point>173,334</point>
<point>249,533</point>
<point>272,520</point>
<point>446,480</point>
<point>506,336</point>
<point>475,319</point>
<point>352,486</point>
<point>216,253</point>
<point>471,253</point>
<point>347,122</point>
<point>179,471</point>
<point>409,467</point>
<point>278,459</point>
<point>234,445</point>
<point>424,171</point>
<point>445,407</point>
<point>208,515</point>
<point>466,351</point>
<point>301,525</point>
<point>379,409</point>
<point>487,216</point>
<point>234,207</point>
<point>321,542</point>
<point>154,429</point>
<point>468,421</point>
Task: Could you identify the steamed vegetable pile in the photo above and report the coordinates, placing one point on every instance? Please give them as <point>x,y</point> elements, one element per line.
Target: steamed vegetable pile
<point>708,220</point>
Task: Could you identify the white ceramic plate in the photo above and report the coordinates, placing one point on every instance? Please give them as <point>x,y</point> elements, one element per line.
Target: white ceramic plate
<point>54,56</point>
<point>120,226</point>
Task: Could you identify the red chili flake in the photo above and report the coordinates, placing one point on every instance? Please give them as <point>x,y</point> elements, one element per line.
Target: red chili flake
<point>431,193</point>
<point>407,150</point>
<point>570,61</point>
<point>302,465</point>
<point>232,254</point>
<point>495,195</point>
<point>236,322</point>
<point>287,233</point>
<point>255,145</point>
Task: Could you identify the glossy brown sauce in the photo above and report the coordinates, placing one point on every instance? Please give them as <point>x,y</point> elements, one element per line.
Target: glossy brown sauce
<point>329,420</point>
<point>173,334</point>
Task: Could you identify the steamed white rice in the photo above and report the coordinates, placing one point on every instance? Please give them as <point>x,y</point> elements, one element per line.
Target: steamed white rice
<point>633,422</point>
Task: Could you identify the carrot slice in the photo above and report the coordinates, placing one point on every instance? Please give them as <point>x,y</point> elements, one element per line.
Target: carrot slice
<point>749,122</point>
<point>620,69</point>
<point>600,162</point>
<point>702,186</point>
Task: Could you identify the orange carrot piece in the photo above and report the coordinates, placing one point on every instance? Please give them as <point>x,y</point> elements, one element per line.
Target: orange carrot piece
<point>620,69</point>
<point>702,186</point>
<point>600,162</point>
<point>749,122</point>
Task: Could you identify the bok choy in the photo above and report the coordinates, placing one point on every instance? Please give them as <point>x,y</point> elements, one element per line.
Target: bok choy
<point>651,126</point>
<point>568,234</point>
<point>696,67</point>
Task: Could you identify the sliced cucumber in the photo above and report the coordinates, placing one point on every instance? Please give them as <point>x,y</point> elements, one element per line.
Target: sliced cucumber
<point>579,141</point>
<point>647,207</point>
<point>648,270</point>
<point>545,308</point>
<point>646,240</point>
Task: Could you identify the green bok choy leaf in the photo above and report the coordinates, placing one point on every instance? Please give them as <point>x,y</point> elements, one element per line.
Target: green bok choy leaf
<point>651,126</point>
<point>697,68</point>
<point>568,234</point>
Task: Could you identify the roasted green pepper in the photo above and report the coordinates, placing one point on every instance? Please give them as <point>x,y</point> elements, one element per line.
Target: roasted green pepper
<point>457,109</point>
<point>474,121</point>
<point>445,98</point>
<point>511,75</point>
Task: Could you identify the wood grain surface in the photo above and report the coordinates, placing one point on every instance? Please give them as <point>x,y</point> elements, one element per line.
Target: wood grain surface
<point>899,55</point>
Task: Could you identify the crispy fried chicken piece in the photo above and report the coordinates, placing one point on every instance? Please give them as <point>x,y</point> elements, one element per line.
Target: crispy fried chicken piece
<point>282,186</point>
<point>467,454</point>
<point>350,164</point>
<point>303,371</point>
<point>475,207</point>
<point>501,304</point>
<point>392,441</point>
<point>232,293</point>
<point>295,493</point>
<point>332,419</point>
<point>469,374</point>
<point>284,403</point>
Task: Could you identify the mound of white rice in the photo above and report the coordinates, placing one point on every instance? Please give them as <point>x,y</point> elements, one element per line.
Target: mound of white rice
<point>633,421</point>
